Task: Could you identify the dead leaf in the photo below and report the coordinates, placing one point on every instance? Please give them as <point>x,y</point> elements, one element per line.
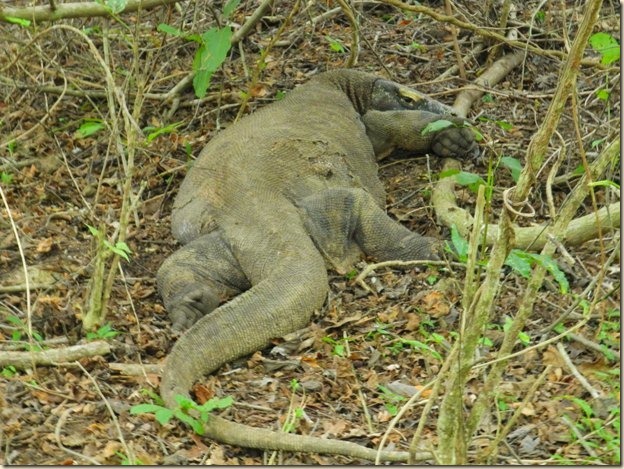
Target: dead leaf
<point>45,245</point>
<point>413,322</point>
<point>202,393</point>
<point>434,303</point>
<point>334,428</point>
<point>551,357</point>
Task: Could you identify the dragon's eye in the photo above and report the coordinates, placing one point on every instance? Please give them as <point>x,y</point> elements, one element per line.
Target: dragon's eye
<point>406,101</point>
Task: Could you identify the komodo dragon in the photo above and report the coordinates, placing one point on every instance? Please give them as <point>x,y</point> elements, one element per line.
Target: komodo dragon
<point>267,203</point>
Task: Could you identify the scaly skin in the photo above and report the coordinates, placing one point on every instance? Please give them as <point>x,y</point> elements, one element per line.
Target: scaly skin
<point>269,202</point>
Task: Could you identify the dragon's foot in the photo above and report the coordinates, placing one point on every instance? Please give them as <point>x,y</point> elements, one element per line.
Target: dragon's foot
<point>190,305</point>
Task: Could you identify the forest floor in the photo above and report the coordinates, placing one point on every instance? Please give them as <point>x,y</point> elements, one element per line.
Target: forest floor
<point>366,352</point>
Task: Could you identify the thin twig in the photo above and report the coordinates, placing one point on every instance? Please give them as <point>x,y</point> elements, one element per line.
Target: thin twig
<point>576,373</point>
<point>371,267</point>
<point>122,440</point>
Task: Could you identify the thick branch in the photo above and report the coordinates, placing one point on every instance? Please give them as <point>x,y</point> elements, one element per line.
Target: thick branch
<point>54,356</point>
<point>579,230</point>
<point>74,10</point>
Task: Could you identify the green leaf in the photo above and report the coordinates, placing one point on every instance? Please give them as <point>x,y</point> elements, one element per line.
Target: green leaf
<point>196,425</point>
<point>216,403</point>
<point>606,46</point>
<point>145,409</point>
<point>585,407</point>
<point>448,173</point>
<point>471,180</point>
<point>459,243</point>
<point>603,94</point>
<point>21,21</point>
<point>551,266</point>
<point>116,6</point>
<point>155,132</point>
<point>163,415</point>
<point>184,402</point>
<point>519,261</point>
<point>513,165</point>
<point>93,230</point>
<point>436,126</point>
<point>122,249</point>
<point>209,57</point>
<point>229,7</point>
<point>89,127</point>
<point>167,29</point>
<point>6,178</point>
<point>335,45</point>
<point>594,144</point>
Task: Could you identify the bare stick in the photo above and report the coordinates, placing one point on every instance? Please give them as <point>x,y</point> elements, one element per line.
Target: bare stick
<point>371,267</point>
<point>54,356</point>
<point>577,374</point>
<point>251,22</point>
<point>75,10</point>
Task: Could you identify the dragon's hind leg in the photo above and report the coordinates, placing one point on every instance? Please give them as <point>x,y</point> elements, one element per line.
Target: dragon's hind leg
<point>339,220</point>
<point>197,277</point>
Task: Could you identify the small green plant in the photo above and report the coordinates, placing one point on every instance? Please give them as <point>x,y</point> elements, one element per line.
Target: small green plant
<point>103,333</point>
<point>184,405</point>
<point>522,262</point>
<point>599,433</point>
<point>155,132</point>
<point>513,165</point>
<point>339,347</point>
<point>464,178</point>
<point>6,178</point>
<point>214,45</point>
<point>24,23</point>
<point>351,274</point>
<point>523,337</point>
<point>504,125</point>
<point>11,146</point>
<point>280,95</point>
<point>21,332</point>
<point>126,461</point>
<point>607,46</point>
<point>458,246</point>
<point>120,248</point>
<point>609,51</point>
<point>8,372</point>
<point>335,45</point>
<point>89,127</point>
<point>609,334</point>
<point>432,279</point>
<point>390,399</point>
<point>487,98</point>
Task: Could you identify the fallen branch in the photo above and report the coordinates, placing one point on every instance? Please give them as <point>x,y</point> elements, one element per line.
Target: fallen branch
<point>135,369</point>
<point>74,10</point>
<point>54,356</point>
<point>579,230</point>
<point>371,267</point>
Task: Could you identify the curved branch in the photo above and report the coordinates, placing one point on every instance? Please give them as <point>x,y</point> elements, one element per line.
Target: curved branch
<point>579,230</point>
